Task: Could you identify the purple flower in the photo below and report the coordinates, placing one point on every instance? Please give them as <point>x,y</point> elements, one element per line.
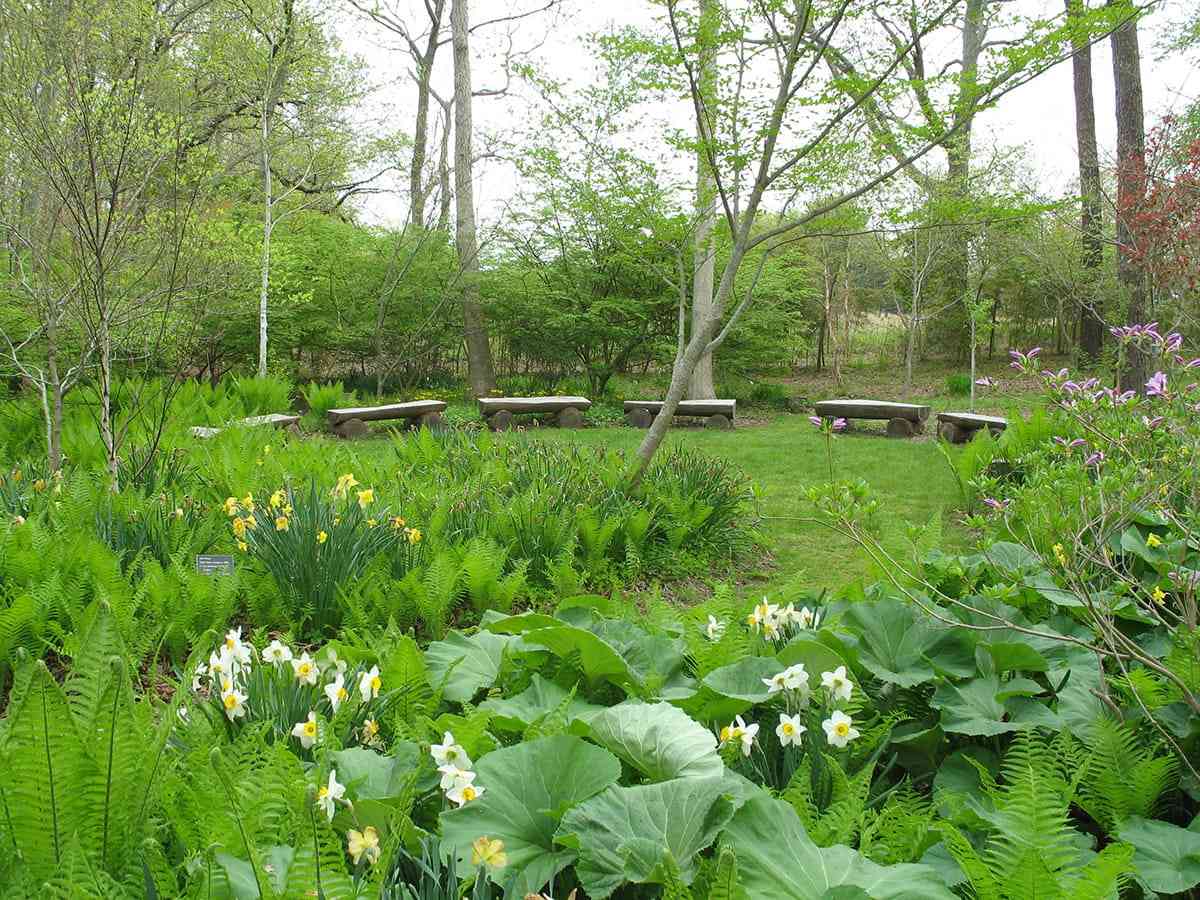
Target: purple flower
<point>1032,354</point>
<point>1096,459</point>
<point>985,382</point>
<point>1192,364</point>
<point>1070,387</point>
<point>816,420</point>
<point>839,424</point>
<point>1157,385</point>
<point>1069,445</point>
<point>998,505</point>
<point>1152,423</point>
<point>1172,342</point>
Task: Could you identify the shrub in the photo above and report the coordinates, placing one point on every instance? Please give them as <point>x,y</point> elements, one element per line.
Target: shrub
<point>958,385</point>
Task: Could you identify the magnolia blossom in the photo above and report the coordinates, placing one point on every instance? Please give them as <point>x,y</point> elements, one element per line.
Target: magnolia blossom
<point>330,793</point>
<point>306,731</point>
<point>369,684</point>
<point>837,683</point>
<point>449,753</point>
<point>839,729</point>
<point>305,669</point>
<point>276,652</point>
<point>714,629</point>
<point>234,702</point>
<point>789,730</point>
<point>363,843</point>
<point>336,691</point>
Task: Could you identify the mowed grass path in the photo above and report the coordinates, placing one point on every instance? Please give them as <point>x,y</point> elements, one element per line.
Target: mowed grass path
<point>785,458</point>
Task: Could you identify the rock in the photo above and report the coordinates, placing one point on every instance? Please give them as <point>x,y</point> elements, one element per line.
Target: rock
<point>432,420</point>
<point>570,418</point>
<point>351,429</point>
<point>639,417</point>
<point>500,421</point>
<point>952,433</point>
<point>719,421</point>
<point>798,405</point>
<point>900,428</point>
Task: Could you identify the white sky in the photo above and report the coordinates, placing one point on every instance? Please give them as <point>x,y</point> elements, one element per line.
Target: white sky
<point>1038,116</point>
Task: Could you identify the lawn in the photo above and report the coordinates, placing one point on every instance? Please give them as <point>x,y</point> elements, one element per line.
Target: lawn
<point>785,457</point>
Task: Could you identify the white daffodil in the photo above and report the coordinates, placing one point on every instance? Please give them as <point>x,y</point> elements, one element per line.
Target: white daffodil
<point>839,729</point>
<point>234,702</point>
<point>806,618</point>
<point>336,692</point>
<point>369,684</point>
<point>332,661</point>
<point>449,753</point>
<point>452,774</point>
<point>220,665</point>
<point>363,843</point>
<point>464,791</point>
<point>277,653</point>
<point>789,730</point>
<point>238,650</point>
<point>305,669</point>
<point>795,678</point>
<point>198,676</point>
<point>763,614</point>
<point>748,733</point>
<point>777,682</point>
<point>184,715</point>
<point>306,731</point>
<point>330,793</point>
<point>714,629</point>
<point>837,683</point>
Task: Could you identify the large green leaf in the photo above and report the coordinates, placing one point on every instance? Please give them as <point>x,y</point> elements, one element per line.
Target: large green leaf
<point>527,788</point>
<point>473,663</point>
<point>988,706</point>
<point>518,712</point>
<point>777,860</point>
<point>372,776</point>
<point>813,655</point>
<point>598,659</point>
<point>896,640</point>
<point>659,740</point>
<point>1166,857</point>
<point>743,680</point>
<point>624,834</point>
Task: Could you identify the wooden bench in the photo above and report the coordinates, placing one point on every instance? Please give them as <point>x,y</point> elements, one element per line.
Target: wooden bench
<point>904,419</point>
<point>279,420</point>
<point>960,427</point>
<point>716,413</point>
<point>498,412</point>
<point>350,422</point>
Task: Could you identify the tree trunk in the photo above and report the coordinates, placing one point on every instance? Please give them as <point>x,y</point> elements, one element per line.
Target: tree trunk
<point>700,384</point>
<point>480,374</point>
<point>1131,161</point>
<point>265,262</point>
<point>418,193</point>
<point>1091,323</point>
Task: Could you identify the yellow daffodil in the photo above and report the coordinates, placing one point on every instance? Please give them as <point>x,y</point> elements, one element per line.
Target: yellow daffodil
<point>39,485</point>
<point>239,527</point>
<point>277,500</point>
<point>370,731</point>
<point>243,546</point>
<point>366,497</point>
<point>248,502</point>
<point>322,537</point>
<point>281,523</point>
<point>363,843</point>
<point>414,536</point>
<point>488,852</point>
<point>1060,554</point>
<point>267,450</point>
<point>251,522</point>
<point>1153,540</point>
<point>344,483</point>
<point>371,523</point>
<point>397,523</point>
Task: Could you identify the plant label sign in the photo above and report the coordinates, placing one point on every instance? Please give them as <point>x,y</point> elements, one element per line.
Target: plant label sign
<point>214,565</point>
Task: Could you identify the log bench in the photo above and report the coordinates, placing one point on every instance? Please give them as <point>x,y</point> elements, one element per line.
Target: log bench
<point>350,422</point>
<point>904,419</point>
<point>960,427</point>
<point>279,420</point>
<point>499,412</point>
<point>716,413</point>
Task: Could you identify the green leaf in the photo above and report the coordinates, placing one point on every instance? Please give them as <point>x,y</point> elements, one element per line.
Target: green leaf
<point>895,640</point>
<point>1010,557</point>
<point>518,712</point>
<point>242,883</point>
<point>659,740</point>
<point>778,861</point>
<point>598,659</point>
<point>624,834</point>
<point>472,663</point>
<point>371,776</point>
<point>987,706</point>
<point>815,657</point>
<point>1166,857</point>
<point>743,680</point>
<point>1012,656</point>
<point>527,788</point>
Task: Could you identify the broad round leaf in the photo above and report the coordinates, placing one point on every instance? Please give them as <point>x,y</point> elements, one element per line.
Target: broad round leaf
<point>1166,857</point>
<point>472,663</point>
<point>659,740</point>
<point>518,712</point>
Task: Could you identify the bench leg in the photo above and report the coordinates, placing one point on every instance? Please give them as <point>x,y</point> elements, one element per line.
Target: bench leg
<point>900,428</point>
<point>570,418</point>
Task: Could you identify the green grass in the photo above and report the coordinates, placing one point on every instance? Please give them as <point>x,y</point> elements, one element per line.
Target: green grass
<point>785,458</point>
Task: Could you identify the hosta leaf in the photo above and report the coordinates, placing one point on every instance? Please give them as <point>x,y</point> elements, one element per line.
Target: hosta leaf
<point>518,712</point>
<point>778,861</point>
<point>743,680</point>
<point>527,788</point>
<point>624,834</point>
<point>659,740</point>
<point>1166,857</point>
<point>473,663</point>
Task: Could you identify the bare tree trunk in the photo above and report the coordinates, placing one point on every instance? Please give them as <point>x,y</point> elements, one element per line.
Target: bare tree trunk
<point>480,374</point>
<point>1091,324</point>
<point>424,59</point>
<point>1131,161</point>
<point>265,261</point>
<point>910,338</point>
<point>447,195</point>
<point>107,433</point>
<point>700,384</point>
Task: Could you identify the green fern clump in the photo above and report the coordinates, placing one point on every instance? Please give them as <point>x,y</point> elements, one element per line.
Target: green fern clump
<point>1121,777</point>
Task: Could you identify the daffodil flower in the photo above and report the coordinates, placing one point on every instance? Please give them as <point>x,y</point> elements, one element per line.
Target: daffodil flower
<point>306,731</point>
<point>449,753</point>
<point>198,676</point>
<point>234,702</point>
<point>239,527</point>
<point>276,500</point>
<point>281,523</point>
<point>452,774</point>
<point>305,669</point>
<point>230,506</point>
<point>488,852</point>
<point>369,684</point>
<point>464,791</point>
<point>248,502</point>
<point>336,691</point>
<point>370,732</point>
<point>790,730</point>
<point>365,498</point>
<point>839,729</point>
<point>749,732</point>
<point>322,537</point>
<point>276,652</point>
<point>363,843</point>
<point>234,647</point>
<point>714,629</point>
<point>1153,540</point>
<point>414,536</point>
<point>328,794</point>
<point>837,683</point>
